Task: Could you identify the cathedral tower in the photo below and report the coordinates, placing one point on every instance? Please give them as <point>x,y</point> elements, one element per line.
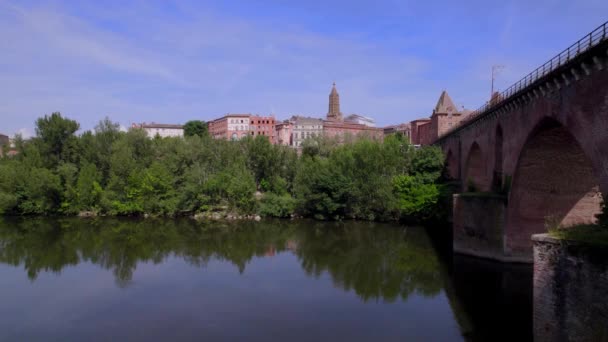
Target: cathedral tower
<point>334,105</point>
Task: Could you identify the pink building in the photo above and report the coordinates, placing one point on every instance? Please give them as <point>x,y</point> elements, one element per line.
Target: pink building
<point>238,126</point>
<point>415,129</point>
<point>341,129</point>
<point>263,125</point>
<point>283,133</point>
<point>230,126</point>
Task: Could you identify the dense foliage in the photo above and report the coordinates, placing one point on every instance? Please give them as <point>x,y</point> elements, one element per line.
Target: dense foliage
<point>107,171</point>
<point>195,127</point>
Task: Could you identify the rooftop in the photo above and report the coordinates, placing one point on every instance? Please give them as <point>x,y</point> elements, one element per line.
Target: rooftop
<point>158,125</point>
<point>445,104</point>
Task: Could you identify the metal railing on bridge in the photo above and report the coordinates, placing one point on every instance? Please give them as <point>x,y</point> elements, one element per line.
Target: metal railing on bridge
<point>584,44</point>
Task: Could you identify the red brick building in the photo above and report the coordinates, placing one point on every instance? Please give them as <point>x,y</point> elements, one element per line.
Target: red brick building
<point>263,125</point>
<point>342,130</point>
<point>336,127</point>
<point>238,126</point>
<point>445,116</point>
<point>230,126</point>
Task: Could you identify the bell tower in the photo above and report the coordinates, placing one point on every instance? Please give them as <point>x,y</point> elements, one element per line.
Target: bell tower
<point>334,105</point>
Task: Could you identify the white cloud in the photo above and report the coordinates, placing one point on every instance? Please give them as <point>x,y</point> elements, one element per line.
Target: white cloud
<point>25,133</point>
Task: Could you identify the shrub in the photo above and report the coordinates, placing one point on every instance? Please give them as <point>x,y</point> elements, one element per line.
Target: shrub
<point>272,205</point>
<point>416,199</point>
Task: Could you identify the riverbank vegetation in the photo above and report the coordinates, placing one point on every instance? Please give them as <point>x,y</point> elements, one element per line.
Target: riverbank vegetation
<point>588,233</point>
<point>109,172</point>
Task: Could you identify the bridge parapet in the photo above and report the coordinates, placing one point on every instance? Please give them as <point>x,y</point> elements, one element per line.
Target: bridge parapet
<point>573,62</point>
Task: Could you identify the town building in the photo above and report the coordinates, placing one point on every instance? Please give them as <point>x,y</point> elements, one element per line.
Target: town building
<point>263,125</point>
<point>354,125</point>
<point>344,130</point>
<point>304,128</point>
<point>361,120</point>
<point>283,133</point>
<point>230,126</point>
<point>445,116</point>
<point>404,129</point>
<point>162,130</point>
<point>298,128</point>
<point>294,131</point>
<point>238,126</point>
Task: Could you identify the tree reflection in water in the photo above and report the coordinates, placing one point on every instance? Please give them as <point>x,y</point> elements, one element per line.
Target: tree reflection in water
<point>378,262</point>
<point>375,261</point>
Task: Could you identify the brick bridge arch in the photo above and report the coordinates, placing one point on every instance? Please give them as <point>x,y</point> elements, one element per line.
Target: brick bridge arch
<point>475,169</point>
<point>451,165</point>
<point>544,157</point>
<point>554,184</point>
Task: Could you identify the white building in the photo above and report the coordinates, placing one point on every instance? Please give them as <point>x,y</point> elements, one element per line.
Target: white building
<point>361,120</point>
<point>238,126</point>
<point>162,130</point>
<point>304,128</point>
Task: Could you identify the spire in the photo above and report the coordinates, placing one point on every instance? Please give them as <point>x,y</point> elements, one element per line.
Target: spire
<point>445,104</point>
<point>334,105</point>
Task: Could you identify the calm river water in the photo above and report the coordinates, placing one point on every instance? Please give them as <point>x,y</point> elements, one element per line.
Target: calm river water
<point>179,280</point>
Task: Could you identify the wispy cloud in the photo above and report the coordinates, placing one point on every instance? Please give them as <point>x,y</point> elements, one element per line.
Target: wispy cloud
<point>173,61</point>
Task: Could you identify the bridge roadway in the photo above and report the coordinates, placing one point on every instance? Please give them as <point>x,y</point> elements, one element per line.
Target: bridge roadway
<point>535,157</point>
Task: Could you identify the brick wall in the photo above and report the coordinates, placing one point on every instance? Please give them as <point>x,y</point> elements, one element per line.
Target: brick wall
<point>570,290</point>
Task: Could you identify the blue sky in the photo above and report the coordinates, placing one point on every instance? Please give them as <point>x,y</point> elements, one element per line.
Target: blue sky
<point>173,61</point>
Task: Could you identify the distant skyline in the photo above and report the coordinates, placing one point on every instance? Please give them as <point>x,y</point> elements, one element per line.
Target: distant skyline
<point>174,61</point>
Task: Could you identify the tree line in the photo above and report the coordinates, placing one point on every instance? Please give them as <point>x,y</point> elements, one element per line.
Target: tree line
<point>109,172</point>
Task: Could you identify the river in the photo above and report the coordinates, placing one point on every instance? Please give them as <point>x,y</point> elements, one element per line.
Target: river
<point>102,279</point>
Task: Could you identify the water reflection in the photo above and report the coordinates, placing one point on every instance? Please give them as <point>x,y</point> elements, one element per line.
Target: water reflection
<point>406,284</point>
<point>375,263</point>
<point>120,244</point>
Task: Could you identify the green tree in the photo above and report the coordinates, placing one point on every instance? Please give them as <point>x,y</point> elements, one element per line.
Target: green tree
<point>417,199</point>
<point>195,127</point>
<point>56,139</point>
<point>88,188</point>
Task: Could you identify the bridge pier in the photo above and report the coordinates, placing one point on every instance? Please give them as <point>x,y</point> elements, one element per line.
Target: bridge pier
<point>479,221</point>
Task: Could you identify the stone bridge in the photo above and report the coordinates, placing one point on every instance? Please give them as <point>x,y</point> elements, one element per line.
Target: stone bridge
<point>535,156</point>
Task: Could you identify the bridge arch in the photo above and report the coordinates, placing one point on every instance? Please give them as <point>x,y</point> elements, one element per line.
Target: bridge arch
<point>554,184</point>
<point>498,159</point>
<point>451,164</point>
<point>475,171</point>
